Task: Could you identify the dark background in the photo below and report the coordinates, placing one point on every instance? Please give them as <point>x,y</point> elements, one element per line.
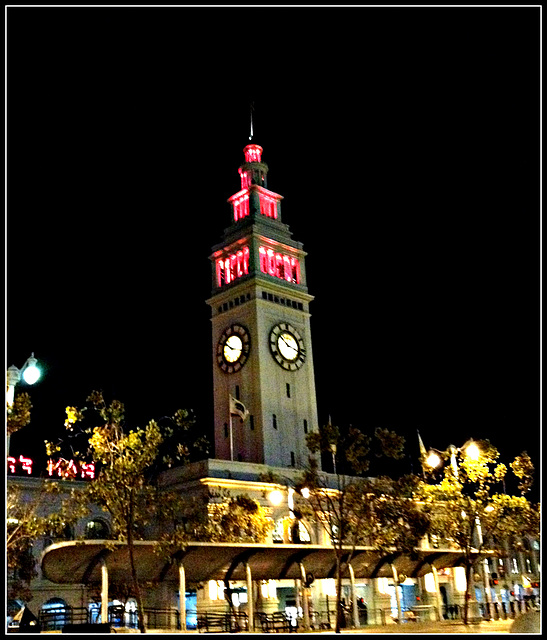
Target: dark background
<point>405,143</point>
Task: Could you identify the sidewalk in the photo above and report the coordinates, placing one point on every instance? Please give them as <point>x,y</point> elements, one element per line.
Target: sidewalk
<point>447,626</point>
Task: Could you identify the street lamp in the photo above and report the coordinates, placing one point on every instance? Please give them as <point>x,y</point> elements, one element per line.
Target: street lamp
<point>470,450</point>
<point>29,372</point>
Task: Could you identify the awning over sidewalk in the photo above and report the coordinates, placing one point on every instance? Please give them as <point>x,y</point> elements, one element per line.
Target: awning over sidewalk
<point>79,562</point>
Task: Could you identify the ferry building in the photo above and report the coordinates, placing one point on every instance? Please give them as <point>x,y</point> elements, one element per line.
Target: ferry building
<point>264,406</point>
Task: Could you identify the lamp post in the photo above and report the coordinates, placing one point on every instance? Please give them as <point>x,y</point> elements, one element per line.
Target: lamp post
<point>472,451</point>
<point>30,374</point>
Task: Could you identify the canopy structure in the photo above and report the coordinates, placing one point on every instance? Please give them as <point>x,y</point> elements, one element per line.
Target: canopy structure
<point>78,562</point>
<point>92,561</point>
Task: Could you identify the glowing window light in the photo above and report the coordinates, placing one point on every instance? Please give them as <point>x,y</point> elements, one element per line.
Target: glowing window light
<point>233,266</point>
<point>271,262</point>
<point>279,268</point>
<point>263,260</point>
<point>253,153</point>
<point>279,265</point>
<point>329,587</point>
<point>429,583</point>
<point>216,590</point>
<point>245,179</point>
<point>287,268</point>
<point>459,579</point>
<point>239,256</point>
<point>383,586</point>
<point>295,270</point>
<point>241,207</point>
<point>268,207</point>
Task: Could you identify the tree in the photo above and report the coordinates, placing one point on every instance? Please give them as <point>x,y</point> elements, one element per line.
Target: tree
<point>216,517</point>
<point>466,508</point>
<point>391,519</point>
<point>18,414</point>
<point>128,464</point>
<point>25,524</point>
<point>340,509</point>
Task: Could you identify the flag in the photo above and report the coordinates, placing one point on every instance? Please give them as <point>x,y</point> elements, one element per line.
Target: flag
<point>423,452</point>
<point>238,408</point>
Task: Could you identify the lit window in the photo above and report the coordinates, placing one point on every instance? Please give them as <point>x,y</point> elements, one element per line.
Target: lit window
<point>253,153</point>
<point>241,207</point>
<point>268,207</point>
<point>279,265</point>
<point>233,266</point>
<point>96,530</point>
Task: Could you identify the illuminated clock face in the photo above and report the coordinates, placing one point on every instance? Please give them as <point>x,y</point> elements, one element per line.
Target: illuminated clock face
<point>287,346</point>
<point>233,348</point>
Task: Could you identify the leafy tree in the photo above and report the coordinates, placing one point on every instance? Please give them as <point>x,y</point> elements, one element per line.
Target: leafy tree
<point>216,517</point>
<point>391,519</point>
<point>18,414</point>
<point>523,469</point>
<point>340,509</point>
<point>25,524</point>
<point>466,507</point>
<point>127,462</point>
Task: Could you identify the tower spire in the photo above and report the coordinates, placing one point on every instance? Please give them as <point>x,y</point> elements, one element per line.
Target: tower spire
<point>251,109</point>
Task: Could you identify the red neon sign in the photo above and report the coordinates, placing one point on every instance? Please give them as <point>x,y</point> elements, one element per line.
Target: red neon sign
<point>232,266</point>
<point>279,265</point>
<point>71,468</point>
<point>61,468</point>
<point>26,464</point>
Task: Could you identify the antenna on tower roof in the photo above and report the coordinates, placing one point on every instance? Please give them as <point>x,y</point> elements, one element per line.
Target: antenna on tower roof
<point>252,106</point>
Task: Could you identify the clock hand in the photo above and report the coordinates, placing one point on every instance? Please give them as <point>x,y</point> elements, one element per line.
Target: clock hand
<point>289,345</point>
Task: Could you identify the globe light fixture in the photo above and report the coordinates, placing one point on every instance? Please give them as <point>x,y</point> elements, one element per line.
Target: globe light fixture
<point>472,451</point>
<point>433,460</point>
<point>305,492</point>
<point>30,373</point>
<point>275,497</point>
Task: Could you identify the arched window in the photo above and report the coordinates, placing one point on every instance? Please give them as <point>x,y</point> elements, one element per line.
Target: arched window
<point>58,536</point>
<point>97,529</point>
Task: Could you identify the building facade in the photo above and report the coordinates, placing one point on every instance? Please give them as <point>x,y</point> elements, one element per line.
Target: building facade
<point>262,347</point>
<point>264,406</point>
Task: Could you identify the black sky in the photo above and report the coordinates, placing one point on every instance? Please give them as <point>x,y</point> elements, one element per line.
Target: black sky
<point>405,143</point>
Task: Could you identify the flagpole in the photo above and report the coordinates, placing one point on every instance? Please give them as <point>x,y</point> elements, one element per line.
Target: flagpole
<point>231,439</point>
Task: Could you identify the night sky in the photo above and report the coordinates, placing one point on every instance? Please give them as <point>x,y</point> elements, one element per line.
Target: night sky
<point>405,143</point>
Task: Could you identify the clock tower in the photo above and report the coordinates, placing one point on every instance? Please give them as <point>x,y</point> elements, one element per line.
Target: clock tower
<point>262,352</point>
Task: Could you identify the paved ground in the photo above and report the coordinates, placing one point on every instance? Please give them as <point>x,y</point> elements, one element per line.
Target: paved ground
<point>495,627</point>
<point>417,628</point>
<point>439,628</point>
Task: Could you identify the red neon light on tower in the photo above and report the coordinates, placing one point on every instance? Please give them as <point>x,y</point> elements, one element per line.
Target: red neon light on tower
<point>253,153</point>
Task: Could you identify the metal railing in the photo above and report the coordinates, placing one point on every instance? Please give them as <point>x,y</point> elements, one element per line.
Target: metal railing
<point>52,619</point>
